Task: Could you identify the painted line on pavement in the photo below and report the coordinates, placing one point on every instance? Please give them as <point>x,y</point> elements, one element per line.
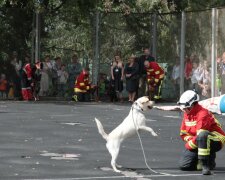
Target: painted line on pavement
<point>176,117</point>
<point>116,177</point>
<point>151,120</point>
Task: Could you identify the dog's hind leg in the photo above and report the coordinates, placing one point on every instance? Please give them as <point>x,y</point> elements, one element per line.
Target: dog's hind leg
<point>146,128</point>
<point>114,151</point>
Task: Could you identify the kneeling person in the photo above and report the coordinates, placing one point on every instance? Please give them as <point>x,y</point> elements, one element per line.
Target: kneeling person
<point>82,86</point>
<point>202,133</point>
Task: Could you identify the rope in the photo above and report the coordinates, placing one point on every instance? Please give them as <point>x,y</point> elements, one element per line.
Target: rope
<point>143,151</point>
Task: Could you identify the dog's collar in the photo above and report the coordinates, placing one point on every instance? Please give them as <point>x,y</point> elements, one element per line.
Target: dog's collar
<point>137,107</point>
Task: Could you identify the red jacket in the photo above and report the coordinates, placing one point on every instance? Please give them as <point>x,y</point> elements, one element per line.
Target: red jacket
<point>82,84</point>
<point>188,68</point>
<point>154,73</point>
<point>199,119</point>
<point>3,85</point>
<point>28,71</point>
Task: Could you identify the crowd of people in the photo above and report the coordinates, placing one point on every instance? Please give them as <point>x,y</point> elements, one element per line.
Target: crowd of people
<point>143,77</point>
<point>138,76</point>
<point>22,80</point>
<point>197,75</point>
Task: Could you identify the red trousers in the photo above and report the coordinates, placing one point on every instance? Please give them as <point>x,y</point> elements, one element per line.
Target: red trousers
<point>27,94</point>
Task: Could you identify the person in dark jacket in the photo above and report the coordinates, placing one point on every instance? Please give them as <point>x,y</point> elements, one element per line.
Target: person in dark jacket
<point>36,80</point>
<point>132,78</point>
<point>143,86</point>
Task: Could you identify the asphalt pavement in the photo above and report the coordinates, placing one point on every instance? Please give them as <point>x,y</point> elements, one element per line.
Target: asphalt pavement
<point>58,140</point>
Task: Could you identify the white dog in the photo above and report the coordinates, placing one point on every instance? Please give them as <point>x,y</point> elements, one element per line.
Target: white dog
<point>133,122</point>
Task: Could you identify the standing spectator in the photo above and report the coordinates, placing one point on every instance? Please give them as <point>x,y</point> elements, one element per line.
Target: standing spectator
<point>195,76</point>
<point>222,74</point>
<point>218,76</point>
<point>176,76</point>
<point>8,69</point>
<point>16,76</point>
<point>56,66</point>
<point>36,78</point>
<point>112,89</point>
<point>117,74</point>
<point>26,80</point>
<point>143,87</point>
<point>63,77</point>
<point>103,89</point>
<point>187,73</point>
<point>155,76</point>
<point>131,72</point>
<point>205,81</point>
<point>3,87</point>
<point>45,76</point>
<point>74,69</point>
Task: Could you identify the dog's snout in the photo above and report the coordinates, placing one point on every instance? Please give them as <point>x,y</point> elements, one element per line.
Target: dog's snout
<point>150,104</point>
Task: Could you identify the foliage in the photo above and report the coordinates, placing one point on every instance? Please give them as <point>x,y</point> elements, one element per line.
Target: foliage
<point>68,26</point>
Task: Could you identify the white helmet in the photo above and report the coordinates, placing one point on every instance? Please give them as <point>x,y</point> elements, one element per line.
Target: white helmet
<point>187,99</point>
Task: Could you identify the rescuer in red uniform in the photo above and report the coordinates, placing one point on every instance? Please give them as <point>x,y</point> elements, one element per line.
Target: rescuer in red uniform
<point>82,86</point>
<point>202,134</point>
<point>26,80</point>
<point>155,75</point>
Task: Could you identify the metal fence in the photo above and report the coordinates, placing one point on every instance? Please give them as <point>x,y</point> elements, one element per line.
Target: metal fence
<point>196,36</point>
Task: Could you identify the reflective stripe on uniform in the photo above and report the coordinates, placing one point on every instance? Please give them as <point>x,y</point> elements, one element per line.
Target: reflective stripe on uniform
<point>161,76</point>
<point>192,145</point>
<point>217,122</point>
<point>157,97</point>
<point>219,136</point>
<point>79,90</point>
<point>203,152</point>
<point>186,138</point>
<point>190,123</point>
<point>183,132</point>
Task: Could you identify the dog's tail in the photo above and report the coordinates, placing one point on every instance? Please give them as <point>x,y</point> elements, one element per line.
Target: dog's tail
<point>101,129</point>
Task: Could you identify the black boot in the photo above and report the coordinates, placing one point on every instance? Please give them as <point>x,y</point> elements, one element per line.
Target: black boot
<point>205,167</point>
<point>212,161</point>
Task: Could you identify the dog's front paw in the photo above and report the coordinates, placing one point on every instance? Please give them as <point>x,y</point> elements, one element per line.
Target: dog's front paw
<point>154,134</point>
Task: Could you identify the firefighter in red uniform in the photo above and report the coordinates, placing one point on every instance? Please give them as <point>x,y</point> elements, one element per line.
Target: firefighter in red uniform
<point>82,86</point>
<point>155,75</point>
<point>26,80</point>
<point>202,134</point>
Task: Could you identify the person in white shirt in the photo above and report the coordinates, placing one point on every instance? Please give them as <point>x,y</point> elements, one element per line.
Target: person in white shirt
<point>62,77</point>
<point>205,80</point>
<point>45,76</point>
<point>176,76</point>
<point>196,74</point>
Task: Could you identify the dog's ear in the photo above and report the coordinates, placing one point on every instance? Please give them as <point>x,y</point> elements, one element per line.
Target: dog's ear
<point>146,99</point>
